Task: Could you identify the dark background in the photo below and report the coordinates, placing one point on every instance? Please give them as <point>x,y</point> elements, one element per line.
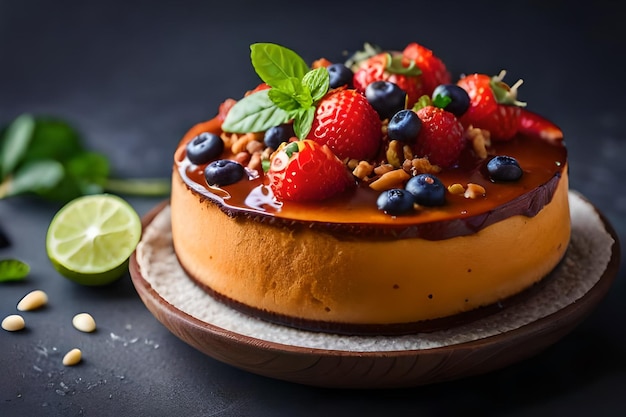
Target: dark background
<point>133,76</point>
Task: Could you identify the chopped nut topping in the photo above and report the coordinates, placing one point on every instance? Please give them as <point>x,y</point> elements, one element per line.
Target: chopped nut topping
<point>242,157</point>
<point>383,169</point>
<point>408,152</point>
<point>255,162</point>
<point>254,146</point>
<point>456,189</point>
<point>394,151</point>
<point>422,166</point>
<point>389,180</point>
<point>229,139</point>
<point>474,191</point>
<point>480,140</point>
<point>363,170</point>
<point>242,142</point>
<point>351,163</point>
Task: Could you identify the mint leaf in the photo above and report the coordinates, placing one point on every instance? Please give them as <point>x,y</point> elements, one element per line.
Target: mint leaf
<point>85,173</point>
<point>13,270</point>
<point>283,100</point>
<point>254,113</point>
<point>303,121</point>
<point>89,170</point>
<point>53,139</point>
<point>16,140</point>
<point>318,82</point>
<point>293,95</point>
<point>275,64</point>
<point>35,177</point>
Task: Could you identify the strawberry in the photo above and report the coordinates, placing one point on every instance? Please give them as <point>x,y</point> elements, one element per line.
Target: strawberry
<point>533,124</point>
<point>348,124</point>
<point>307,171</point>
<point>434,71</point>
<point>441,137</point>
<point>390,67</point>
<point>493,105</point>
<point>416,70</point>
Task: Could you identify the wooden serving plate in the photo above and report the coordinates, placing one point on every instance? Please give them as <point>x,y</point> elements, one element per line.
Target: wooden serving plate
<point>340,367</point>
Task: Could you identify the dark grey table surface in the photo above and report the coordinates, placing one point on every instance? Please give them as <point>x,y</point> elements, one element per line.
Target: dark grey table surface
<point>133,76</point>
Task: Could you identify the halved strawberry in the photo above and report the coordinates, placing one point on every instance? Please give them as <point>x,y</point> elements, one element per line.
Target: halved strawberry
<point>493,105</point>
<point>440,138</point>
<point>346,122</point>
<point>307,171</point>
<point>534,124</point>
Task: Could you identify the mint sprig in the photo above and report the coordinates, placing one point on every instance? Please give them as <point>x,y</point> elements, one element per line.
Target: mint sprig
<point>46,156</point>
<point>294,91</point>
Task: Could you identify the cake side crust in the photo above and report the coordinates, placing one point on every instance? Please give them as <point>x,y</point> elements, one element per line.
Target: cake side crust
<point>310,275</point>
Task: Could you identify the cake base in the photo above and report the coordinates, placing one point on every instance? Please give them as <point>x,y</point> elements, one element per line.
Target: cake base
<point>578,284</point>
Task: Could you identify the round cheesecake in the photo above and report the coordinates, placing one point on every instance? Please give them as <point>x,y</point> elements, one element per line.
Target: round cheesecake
<point>341,264</point>
<point>345,266</point>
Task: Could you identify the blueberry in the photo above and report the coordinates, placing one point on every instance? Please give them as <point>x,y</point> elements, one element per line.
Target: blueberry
<point>452,98</point>
<point>427,189</point>
<point>395,201</point>
<point>276,135</point>
<point>340,75</point>
<point>404,126</point>
<point>504,168</point>
<point>204,147</point>
<point>224,172</point>
<point>385,97</point>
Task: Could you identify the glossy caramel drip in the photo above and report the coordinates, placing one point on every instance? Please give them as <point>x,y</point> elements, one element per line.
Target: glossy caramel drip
<point>354,213</point>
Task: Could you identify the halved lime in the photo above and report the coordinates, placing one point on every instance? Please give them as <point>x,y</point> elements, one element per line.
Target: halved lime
<point>90,239</point>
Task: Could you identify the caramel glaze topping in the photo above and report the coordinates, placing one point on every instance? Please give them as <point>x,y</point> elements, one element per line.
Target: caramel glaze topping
<point>355,214</point>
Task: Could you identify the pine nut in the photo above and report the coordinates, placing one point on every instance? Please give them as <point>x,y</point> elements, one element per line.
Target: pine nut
<point>84,322</point>
<point>32,301</point>
<point>13,323</point>
<point>72,357</point>
<point>390,180</point>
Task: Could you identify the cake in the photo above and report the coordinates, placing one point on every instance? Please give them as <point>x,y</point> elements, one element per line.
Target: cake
<point>372,196</point>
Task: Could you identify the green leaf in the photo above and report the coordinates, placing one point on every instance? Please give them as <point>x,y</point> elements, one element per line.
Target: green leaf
<point>53,139</point>
<point>275,64</point>
<point>396,65</point>
<point>254,113</point>
<point>15,143</point>
<point>441,101</point>
<point>89,168</point>
<point>318,82</point>
<point>293,95</point>
<point>86,173</point>
<point>303,121</point>
<point>283,100</point>
<point>35,177</point>
<point>422,102</point>
<point>13,270</point>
